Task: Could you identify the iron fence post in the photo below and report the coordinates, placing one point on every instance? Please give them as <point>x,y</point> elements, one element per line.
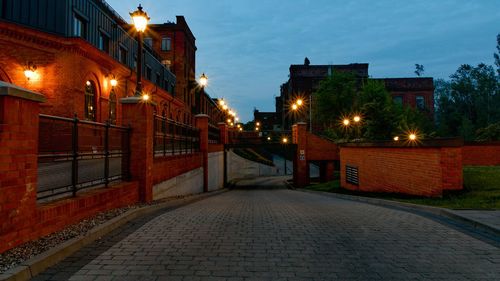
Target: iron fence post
<point>106,154</point>
<point>74,161</point>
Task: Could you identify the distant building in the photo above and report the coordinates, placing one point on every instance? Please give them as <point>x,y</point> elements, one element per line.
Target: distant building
<point>304,80</point>
<point>268,120</point>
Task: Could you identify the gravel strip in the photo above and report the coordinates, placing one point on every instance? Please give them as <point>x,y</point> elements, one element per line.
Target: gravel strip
<point>26,251</point>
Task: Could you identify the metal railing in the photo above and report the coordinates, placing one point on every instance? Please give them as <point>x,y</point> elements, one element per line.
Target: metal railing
<point>74,154</point>
<point>173,138</point>
<point>213,134</point>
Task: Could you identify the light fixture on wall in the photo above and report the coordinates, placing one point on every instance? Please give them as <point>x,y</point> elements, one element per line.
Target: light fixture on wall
<point>113,81</point>
<point>30,71</point>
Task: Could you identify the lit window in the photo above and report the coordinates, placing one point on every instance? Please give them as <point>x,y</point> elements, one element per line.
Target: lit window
<point>79,27</point>
<point>90,101</point>
<point>420,102</point>
<point>103,42</point>
<point>149,42</point>
<point>112,107</point>
<point>166,44</point>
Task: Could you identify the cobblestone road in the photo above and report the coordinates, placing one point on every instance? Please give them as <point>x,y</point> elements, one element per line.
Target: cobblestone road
<point>282,235</point>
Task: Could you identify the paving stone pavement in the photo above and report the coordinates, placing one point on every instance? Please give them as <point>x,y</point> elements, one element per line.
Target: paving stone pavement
<point>282,235</point>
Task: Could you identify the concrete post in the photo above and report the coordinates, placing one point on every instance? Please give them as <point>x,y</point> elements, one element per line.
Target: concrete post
<point>139,115</point>
<point>201,121</point>
<point>19,123</point>
<point>301,167</point>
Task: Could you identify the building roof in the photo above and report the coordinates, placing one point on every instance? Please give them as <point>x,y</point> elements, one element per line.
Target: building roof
<point>408,84</point>
<point>302,70</point>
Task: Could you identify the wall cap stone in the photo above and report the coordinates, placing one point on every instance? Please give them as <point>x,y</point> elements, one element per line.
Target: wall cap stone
<point>7,89</point>
<point>136,100</point>
<point>431,143</point>
<point>201,116</point>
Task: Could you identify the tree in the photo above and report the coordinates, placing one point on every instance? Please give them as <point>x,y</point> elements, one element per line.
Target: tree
<point>470,101</point>
<point>379,111</point>
<point>419,69</point>
<point>497,55</point>
<point>335,97</point>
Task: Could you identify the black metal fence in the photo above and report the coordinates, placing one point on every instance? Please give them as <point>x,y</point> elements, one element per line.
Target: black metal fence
<point>173,138</point>
<point>74,154</point>
<point>213,134</point>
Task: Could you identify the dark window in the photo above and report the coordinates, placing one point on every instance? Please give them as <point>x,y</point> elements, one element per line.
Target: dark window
<point>420,102</point>
<point>166,44</point>
<point>112,107</point>
<point>148,41</point>
<point>90,101</point>
<point>158,79</point>
<point>122,53</point>
<point>148,73</point>
<point>103,42</point>
<point>79,27</point>
<point>398,100</point>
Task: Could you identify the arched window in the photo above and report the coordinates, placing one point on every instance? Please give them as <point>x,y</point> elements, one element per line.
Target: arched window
<point>112,107</point>
<point>90,94</point>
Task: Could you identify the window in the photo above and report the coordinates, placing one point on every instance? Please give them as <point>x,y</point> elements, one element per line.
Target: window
<point>166,44</point>
<point>158,79</point>
<point>122,54</point>
<point>148,41</point>
<point>398,100</point>
<point>103,42</point>
<point>112,107</point>
<point>79,27</point>
<point>420,102</point>
<point>148,73</point>
<point>90,101</point>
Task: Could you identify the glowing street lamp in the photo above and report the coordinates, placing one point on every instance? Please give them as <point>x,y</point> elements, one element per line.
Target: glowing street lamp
<point>113,82</point>
<point>396,138</point>
<point>357,118</point>
<point>284,140</point>
<point>412,137</point>
<point>222,102</point>
<point>299,102</point>
<point>346,122</point>
<point>203,80</point>
<point>294,106</point>
<point>140,19</point>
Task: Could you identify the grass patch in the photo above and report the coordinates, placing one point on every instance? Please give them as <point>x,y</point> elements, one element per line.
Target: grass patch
<point>481,191</point>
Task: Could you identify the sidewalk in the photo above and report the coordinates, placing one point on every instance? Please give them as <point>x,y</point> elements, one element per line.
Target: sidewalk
<point>485,221</point>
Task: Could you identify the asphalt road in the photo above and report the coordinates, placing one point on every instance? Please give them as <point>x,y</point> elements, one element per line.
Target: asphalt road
<point>280,234</point>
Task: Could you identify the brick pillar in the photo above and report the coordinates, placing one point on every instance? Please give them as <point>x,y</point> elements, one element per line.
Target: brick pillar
<point>201,121</point>
<point>224,137</point>
<point>139,115</point>
<point>300,167</point>
<point>19,121</point>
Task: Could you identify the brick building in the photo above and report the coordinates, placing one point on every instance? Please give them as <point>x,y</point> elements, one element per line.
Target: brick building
<point>77,47</point>
<point>304,81</point>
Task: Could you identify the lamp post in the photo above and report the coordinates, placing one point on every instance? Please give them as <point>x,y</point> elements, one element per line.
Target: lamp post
<point>203,83</point>
<point>140,19</point>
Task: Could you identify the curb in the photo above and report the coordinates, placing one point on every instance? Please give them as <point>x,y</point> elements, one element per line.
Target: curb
<point>36,265</point>
<point>442,212</point>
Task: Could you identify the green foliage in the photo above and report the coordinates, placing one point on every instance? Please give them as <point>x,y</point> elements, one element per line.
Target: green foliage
<point>489,133</point>
<point>497,55</point>
<point>381,116</point>
<point>335,97</point>
<point>470,101</point>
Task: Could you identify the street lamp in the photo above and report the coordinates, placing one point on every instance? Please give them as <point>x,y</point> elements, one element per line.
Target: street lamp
<point>357,118</point>
<point>140,19</point>
<point>203,80</point>
<point>346,122</point>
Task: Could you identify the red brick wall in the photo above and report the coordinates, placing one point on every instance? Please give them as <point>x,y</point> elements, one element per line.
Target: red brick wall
<point>423,171</point>
<point>63,67</point>
<point>49,218</point>
<point>321,149</point>
<point>481,154</point>
<point>165,168</point>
